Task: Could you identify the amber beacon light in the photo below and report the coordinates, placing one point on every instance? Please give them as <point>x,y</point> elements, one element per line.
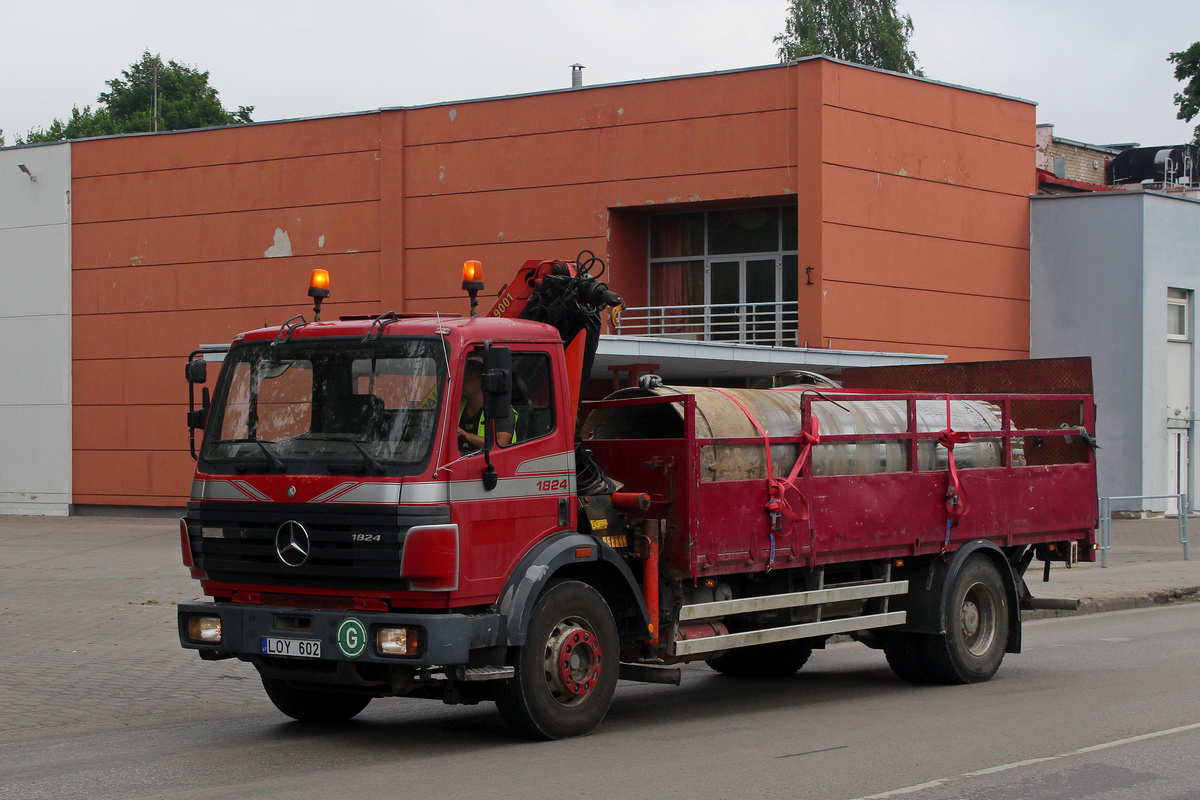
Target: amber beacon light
<point>318,290</point>
<point>473,282</point>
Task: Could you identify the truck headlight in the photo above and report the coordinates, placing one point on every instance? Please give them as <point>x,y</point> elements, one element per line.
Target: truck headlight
<point>397,641</point>
<point>204,629</point>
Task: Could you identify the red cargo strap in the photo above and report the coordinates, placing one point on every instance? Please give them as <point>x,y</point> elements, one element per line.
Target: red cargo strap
<point>777,487</point>
<point>956,496</point>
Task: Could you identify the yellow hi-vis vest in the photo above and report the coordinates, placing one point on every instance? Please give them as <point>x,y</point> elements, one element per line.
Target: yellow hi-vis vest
<point>462,406</point>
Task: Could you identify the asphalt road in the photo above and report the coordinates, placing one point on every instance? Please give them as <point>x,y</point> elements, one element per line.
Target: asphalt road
<point>842,728</point>
<point>97,700</point>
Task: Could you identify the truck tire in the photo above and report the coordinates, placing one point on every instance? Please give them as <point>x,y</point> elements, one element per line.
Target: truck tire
<point>772,660</point>
<point>314,705</point>
<point>903,652</point>
<point>976,615</point>
<point>566,672</point>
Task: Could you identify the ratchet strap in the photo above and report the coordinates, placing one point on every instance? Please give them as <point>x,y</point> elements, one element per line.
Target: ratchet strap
<point>777,488</point>
<point>956,496</point>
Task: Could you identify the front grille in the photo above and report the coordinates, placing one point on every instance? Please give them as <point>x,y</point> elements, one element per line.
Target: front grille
<point>354,548</point>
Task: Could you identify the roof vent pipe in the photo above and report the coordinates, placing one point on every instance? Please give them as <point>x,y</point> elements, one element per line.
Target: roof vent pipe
<point>577,76</point>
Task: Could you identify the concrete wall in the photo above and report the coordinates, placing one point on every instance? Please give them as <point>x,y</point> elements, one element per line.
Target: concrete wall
<point>1086,300</point>
<point>35,328</point>
<point>190,238</point>
<point>1171,255</point>
<point>911,199</point>
<point>925,216</point>
<point>1100,267</point>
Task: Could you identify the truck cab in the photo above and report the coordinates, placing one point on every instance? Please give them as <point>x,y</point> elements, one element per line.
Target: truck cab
<point>353,541</point>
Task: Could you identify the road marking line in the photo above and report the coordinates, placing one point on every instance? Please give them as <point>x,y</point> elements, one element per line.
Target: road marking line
<point>1030,761</point>
<point>1013,765</point>
<point>906,790</point>
<point>1132,739</point>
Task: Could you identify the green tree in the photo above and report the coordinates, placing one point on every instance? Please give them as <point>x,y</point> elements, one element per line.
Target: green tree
<point>867,32</point>
<point>1187,68</point>
<point>184,100</point>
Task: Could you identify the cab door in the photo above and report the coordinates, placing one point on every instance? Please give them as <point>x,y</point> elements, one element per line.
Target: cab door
<point>534,493</point>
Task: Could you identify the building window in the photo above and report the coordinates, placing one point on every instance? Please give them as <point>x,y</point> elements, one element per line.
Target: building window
<point>724,275</point>
<point>1178,314</point>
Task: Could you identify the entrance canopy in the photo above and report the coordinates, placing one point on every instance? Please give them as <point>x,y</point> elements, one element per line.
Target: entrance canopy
<point>625,357</point>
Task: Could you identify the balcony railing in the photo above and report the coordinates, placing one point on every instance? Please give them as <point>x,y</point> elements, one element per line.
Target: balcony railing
<point>742,323</point>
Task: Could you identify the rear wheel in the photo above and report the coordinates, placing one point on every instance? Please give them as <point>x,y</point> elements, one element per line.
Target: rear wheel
<point>314,705</point>
<point>566,672</point>
<point>772,660</point>
<point>903,651</point>
<point>976,627</point>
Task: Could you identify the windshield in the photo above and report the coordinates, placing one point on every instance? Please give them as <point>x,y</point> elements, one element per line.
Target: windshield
<point>360,407</point>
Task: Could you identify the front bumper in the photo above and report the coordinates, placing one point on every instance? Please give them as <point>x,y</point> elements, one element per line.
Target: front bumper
<point>444,639</point>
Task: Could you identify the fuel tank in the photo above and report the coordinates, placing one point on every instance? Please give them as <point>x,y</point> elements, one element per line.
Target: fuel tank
<point>778,412</point>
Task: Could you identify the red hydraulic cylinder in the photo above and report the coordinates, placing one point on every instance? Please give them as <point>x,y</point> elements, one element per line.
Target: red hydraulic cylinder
<point>650,575</point>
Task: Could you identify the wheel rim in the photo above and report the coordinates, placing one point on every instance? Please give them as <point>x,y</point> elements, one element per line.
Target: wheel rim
<point>977,619</point>
<point>573,659</point>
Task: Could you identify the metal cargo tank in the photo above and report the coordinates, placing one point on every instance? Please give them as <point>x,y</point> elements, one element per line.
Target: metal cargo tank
<point>778,412</point>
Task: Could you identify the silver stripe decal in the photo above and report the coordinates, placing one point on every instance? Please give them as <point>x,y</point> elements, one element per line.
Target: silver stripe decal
<point>226,490</point>
<point>325,497</point>
<point>513,488</point>
<point>547,483</point>
<point>425,493</point>
<point>370,494</point>
<point>555,463</point>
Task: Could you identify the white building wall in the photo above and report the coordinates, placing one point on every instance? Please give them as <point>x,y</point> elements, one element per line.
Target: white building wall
<point>1171,260</point>
<point>35,330</point>
<point>1100,266</point>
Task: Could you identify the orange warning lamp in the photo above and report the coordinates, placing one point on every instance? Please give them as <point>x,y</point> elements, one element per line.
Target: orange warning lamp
<point>472,282</point>
<point>318,289</point>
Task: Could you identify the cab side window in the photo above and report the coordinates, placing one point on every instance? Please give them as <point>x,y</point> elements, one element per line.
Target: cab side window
<point>532,396</point>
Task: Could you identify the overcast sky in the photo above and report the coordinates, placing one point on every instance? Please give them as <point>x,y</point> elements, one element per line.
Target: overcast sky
<point>1096,68</point>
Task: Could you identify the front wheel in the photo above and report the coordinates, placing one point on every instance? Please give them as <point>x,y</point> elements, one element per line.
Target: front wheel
<point>314,705</point>
<point>976,634</point>
<point>566,672</point>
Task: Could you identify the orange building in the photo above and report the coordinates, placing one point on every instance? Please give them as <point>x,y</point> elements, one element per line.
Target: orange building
<point>858,210</point>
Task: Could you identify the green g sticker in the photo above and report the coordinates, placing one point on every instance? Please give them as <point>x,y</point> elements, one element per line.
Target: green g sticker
<point>352,638</point>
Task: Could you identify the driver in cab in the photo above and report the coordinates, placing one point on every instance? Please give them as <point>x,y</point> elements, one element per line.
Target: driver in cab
<point>470,413</point>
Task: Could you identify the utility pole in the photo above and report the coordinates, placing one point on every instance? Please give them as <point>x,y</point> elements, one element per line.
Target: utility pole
<point>154,100</point>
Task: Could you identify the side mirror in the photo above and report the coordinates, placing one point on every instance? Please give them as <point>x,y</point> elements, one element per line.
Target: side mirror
<point>197,417</point>
<point>196,371</point>
<point>496,383</point>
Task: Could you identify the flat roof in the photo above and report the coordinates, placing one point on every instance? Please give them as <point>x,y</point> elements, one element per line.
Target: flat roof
<point>539,92</point>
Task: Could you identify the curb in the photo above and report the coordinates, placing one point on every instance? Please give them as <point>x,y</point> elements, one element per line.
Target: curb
<point>1091,605</point>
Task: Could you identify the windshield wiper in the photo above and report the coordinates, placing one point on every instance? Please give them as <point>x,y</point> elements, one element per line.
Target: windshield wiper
<point>375,465</point>
<point>273,460</point>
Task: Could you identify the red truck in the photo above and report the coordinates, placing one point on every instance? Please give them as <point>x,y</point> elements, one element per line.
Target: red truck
<point>420,505</point>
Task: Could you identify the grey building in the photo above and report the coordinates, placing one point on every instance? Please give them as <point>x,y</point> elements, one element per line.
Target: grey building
<point>35,326</point>
<point>1114,275</point>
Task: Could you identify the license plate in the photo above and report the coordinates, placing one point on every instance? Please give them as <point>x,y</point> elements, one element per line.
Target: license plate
<point>291,648</point>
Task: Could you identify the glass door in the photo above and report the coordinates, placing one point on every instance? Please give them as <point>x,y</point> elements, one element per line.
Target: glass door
<point>762,296</point>
<point>724,301</point>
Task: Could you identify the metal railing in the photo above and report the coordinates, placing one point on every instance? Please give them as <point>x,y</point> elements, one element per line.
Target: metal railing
<point>1105,537</point>
<point>742,323</point>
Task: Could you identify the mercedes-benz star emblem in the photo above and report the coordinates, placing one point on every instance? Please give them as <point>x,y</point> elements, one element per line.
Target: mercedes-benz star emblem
<point>292,544</point>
